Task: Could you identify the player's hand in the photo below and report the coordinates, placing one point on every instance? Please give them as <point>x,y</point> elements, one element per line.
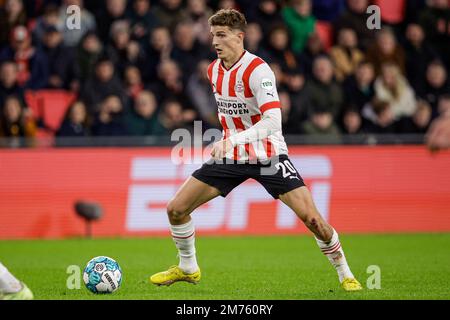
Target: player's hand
<point>221,148</point>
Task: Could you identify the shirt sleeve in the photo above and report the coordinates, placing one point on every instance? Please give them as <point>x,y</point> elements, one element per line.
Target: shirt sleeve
<point>263,85</point>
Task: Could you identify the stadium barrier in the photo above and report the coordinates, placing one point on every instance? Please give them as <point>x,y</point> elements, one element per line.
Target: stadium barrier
<point>359,189</point>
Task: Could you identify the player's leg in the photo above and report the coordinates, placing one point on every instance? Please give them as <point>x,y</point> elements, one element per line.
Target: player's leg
<point>11,288</point>
<point>192,194</point>
<point>301,202</point>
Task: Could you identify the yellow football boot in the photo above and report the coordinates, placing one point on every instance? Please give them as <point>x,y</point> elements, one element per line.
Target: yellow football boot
<point>174,274</point>
<point>350,284</point>
<point>24,294</point>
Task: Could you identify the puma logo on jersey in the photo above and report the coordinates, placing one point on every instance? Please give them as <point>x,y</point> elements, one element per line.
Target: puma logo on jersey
<point>270,94</point>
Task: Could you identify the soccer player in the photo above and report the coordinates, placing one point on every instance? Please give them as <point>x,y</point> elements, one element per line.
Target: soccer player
<point>11,288</point>
<point>249,111</point>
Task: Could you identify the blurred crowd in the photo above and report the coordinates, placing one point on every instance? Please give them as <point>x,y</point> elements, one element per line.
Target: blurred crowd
<point>139,67</point>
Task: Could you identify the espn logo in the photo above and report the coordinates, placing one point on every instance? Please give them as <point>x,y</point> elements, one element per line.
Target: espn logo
<point>155,181</point>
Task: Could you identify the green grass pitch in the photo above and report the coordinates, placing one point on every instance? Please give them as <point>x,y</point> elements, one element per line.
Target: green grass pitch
<point>413,266</point>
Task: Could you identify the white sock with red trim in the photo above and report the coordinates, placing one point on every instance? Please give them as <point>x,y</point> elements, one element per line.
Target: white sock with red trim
<point>335,254</point>
<point>8,283</point>
<point>184,237</point>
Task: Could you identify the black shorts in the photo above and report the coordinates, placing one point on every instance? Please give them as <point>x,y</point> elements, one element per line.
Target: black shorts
<point>277,177</point>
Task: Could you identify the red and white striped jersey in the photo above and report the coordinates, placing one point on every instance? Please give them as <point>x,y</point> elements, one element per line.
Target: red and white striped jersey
<point>243,93</point>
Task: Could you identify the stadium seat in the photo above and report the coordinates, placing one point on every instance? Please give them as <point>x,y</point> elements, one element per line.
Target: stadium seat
<point>392,11</point>
<point>325,31</point>
<point>49,106</point>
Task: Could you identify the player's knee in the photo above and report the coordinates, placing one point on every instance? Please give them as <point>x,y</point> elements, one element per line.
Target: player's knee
<point>176,211</point>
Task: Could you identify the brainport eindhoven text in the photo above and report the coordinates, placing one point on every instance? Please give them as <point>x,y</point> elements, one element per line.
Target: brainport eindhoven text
<point>232,108</point>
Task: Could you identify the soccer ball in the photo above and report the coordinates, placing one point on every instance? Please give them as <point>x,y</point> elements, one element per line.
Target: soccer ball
<point>102,275</point>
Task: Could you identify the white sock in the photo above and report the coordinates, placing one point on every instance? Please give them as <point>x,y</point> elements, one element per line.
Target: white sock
<point>335,255</point>
<point>184,237</point>
<point>8,283</point>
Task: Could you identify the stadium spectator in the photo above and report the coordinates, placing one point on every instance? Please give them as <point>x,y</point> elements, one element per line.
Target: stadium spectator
<point>392,87</point>
<point>109,121</point>
<point>133,82</point>
<point>276,68</point>
<point>278,50</point>
<point>266,14</point>
<point>321,122</point>
<point>187,51</point>
<point>346,55</point>
<point>294,84</point>
<point>170,12</point>
<point>75,122</point>
<point>12,14</point>
<point>31,61</point>
<point>227,4</point>
<point>444,105</point>
<point>355,18</point>
<point>300,22</point>
<point>88,52</point>
<point>112,11</point>
<point>435,20</point>
<point>352,122</point>
<point>122,50</point>
<point>359,88</point>
<point>142,21</point>
<point>328,10</point>
<point>173,117</point>
<point>159,50</point>
<point>386,49</point>
<point>254,40</point>
<point>102,84</point>
<point>63,72</point>
<point>413,9</point>
<point>419,54</point>
<point>323,91</point>
<point>169,84</point>
<point>199,13</point>
<point>8,83</point>
<point>314,48</point>
<point>437,84</point>
<point>142,120</point>
<point>200,93</point>
<point>50,17</point>
<point>419,122</point>
<point>438,136</point>
<point>72,36</point>
<point>379,118</point>
<point>15,122</point>
<point>291,118</point>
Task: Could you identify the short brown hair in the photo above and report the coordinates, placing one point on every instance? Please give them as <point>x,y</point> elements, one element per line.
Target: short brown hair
<point>229,18</point>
